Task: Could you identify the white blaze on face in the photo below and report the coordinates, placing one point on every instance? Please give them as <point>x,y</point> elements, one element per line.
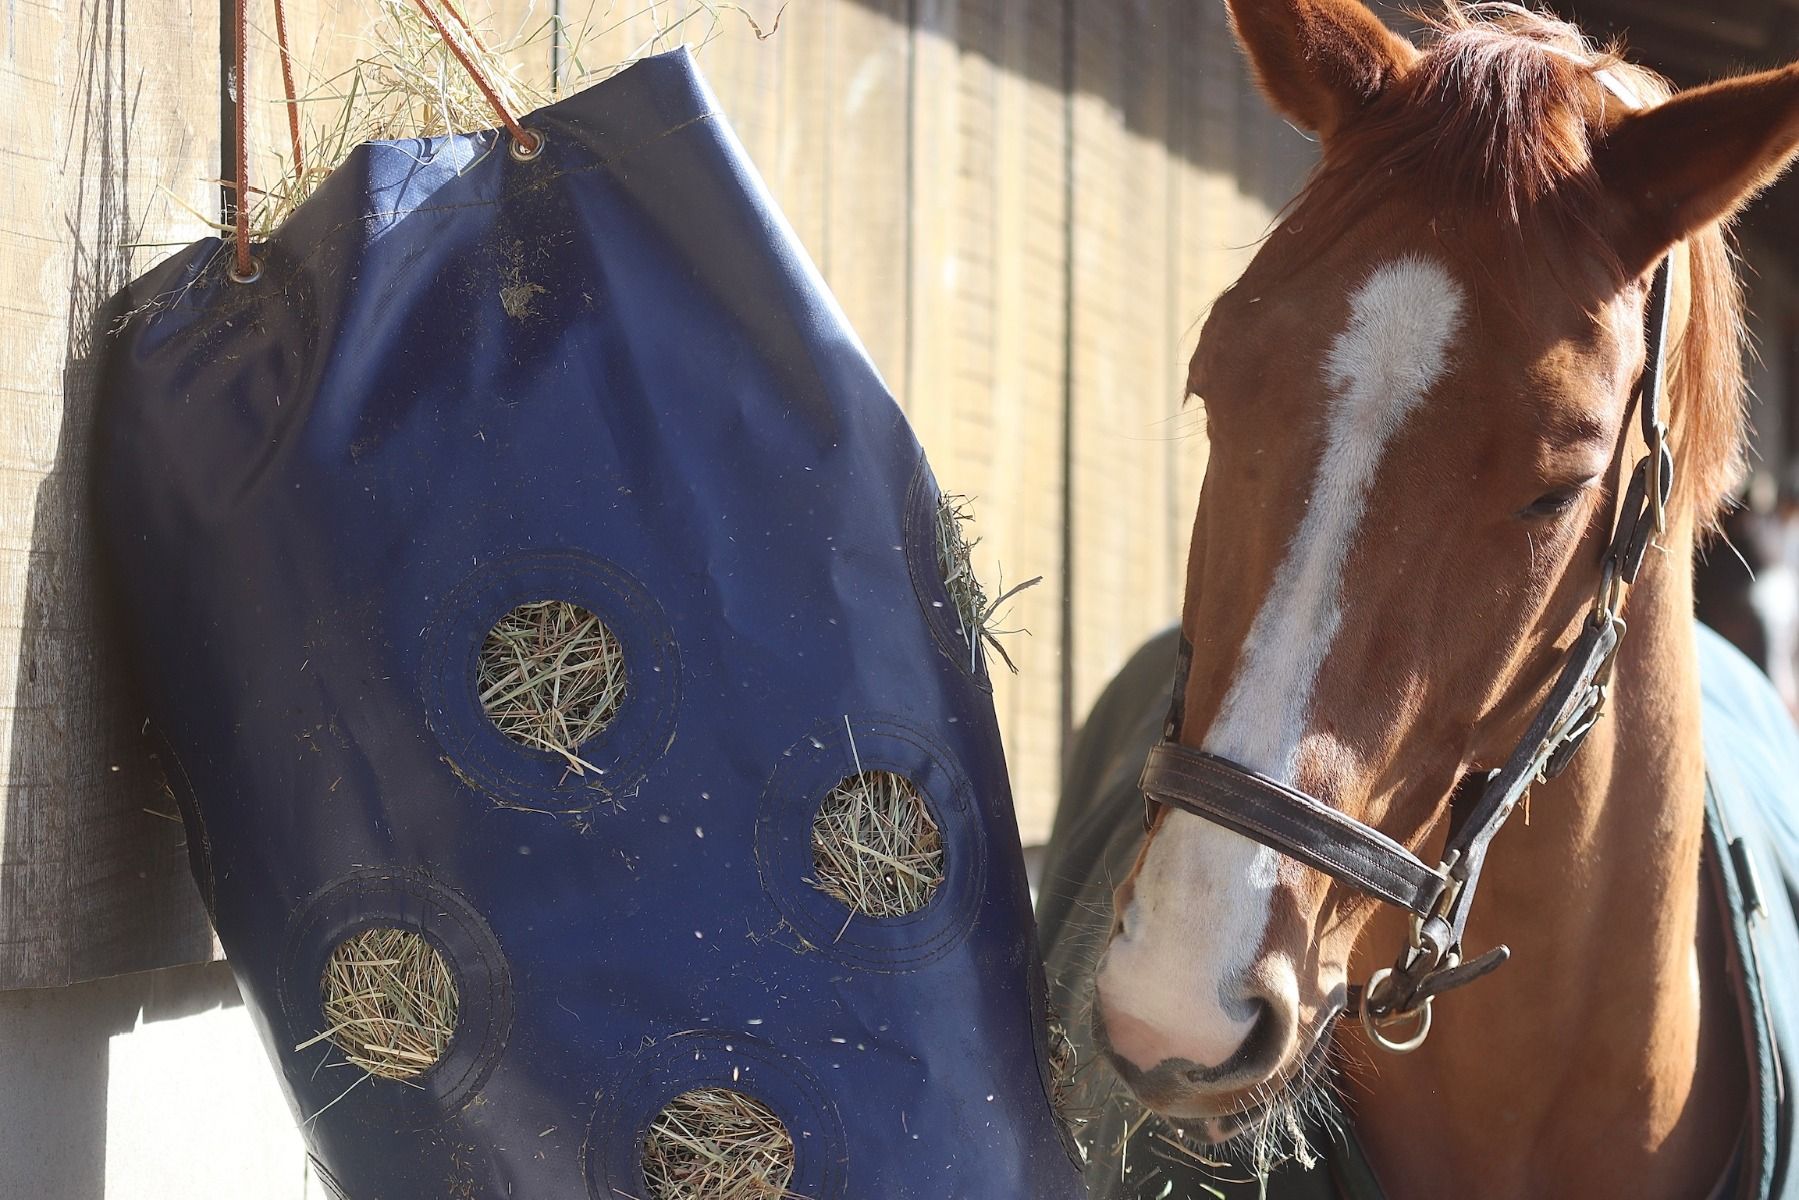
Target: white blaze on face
<point>1201,902</point>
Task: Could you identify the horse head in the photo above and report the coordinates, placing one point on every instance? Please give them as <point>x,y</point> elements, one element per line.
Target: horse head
<point>1417,401</point>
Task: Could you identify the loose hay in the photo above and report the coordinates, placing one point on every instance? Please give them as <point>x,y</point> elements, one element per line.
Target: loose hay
<point>1064,1066</point>
<point>717,1144</point>
<point>977,616</point>
<point>875,846</point>
<point>390,1002</point>
<point>407,83</point>
<point>552,676</point>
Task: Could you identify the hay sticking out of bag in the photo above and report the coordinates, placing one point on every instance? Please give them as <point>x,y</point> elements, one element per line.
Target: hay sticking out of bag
<point>717,1144</point>
<point>1064,1066</point>
<point>876,847</point>
<point>407,83</point>
<point>552,676</point>
<point>390,1002</point>
<point>978,617</point>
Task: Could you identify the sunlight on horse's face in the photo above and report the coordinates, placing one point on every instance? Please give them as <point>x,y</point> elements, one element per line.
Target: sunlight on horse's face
<point>1403,459</point>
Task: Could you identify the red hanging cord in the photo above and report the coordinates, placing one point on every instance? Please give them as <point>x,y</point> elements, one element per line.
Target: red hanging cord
<point>287,86</point>
<point>245,267</point>
<point>528,142</point>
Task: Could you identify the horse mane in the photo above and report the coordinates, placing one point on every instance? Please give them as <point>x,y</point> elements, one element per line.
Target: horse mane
<point>1500,116</point>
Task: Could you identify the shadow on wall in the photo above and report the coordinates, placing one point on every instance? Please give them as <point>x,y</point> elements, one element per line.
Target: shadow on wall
<point>1096,50</point>
<point>143,1087</point>
<point>95,879</point>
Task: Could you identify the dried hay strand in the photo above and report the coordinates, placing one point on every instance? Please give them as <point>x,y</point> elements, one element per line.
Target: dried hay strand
<point>876,847</point>
<point>390,1002</point>
<point>1064,1067</point>
<point>978,617</point>
<point>552,676</point>
<point>717,1144</point>
<point>407,82</point>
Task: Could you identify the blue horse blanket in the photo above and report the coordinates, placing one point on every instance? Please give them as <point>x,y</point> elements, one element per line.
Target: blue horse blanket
<point>609,376</point>
<point>1752,857</point>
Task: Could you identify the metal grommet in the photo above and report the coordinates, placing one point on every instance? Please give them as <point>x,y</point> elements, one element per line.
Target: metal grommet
<point>1372,1025</point>
<point>524,152</point>
<point>252,277</point>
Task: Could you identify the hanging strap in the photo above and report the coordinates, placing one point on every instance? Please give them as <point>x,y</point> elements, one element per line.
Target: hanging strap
<point>525,144</point>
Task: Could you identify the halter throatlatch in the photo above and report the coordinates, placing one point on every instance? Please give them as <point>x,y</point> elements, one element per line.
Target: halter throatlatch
<point>1395,1006</point>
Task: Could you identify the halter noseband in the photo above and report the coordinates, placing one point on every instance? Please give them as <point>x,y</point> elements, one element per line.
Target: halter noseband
<point>1310,831</point>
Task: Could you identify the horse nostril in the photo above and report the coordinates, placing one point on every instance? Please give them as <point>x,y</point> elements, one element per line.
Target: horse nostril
<point>1263,1041</point>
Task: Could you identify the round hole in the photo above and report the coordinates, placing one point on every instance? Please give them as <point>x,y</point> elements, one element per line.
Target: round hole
<point>552,677</point>
<point>526,151</point>
<point>717,1144</point>
<point>876,847</point>
<point>389,1001</point>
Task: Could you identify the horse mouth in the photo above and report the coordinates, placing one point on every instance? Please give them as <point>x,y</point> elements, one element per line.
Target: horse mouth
<point>1300,1090</point>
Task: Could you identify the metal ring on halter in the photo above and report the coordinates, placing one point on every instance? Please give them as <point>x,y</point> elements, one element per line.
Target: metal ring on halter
<point>1372,1024</point>
<point>519,150</point>
<point>252,277</point>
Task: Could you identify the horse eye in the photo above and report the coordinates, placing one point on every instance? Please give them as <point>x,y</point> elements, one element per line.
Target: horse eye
<point>1551,503</point>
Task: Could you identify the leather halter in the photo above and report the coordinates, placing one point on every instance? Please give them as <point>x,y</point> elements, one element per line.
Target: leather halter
<point>1312,832</point>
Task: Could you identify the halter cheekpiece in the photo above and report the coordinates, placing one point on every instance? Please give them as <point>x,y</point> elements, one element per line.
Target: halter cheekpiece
<point>1395,1005</point>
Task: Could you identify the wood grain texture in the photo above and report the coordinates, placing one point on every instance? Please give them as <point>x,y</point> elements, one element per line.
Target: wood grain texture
<point>1126,381</point>
<point>108,145</point>
<point>1024,207</point>
<point>987,375</point>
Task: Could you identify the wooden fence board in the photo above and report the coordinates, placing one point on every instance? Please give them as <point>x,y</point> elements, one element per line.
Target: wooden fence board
<point>1124,385</point>
<point>985,374</point>
<point>111,140</point>
<point>864,246</point>
<point>1025,485</point>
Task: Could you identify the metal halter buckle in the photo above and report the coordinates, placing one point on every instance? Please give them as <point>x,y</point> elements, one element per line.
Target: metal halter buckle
<point>1376,1026</point>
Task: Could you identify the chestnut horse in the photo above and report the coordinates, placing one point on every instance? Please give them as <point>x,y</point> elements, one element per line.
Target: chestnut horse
<point>1421,400</point>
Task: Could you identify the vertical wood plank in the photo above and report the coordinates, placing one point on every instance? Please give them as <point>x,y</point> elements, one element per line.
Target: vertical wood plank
<point>1126,380</point>
<point>108,138</point>
<point>985,369</point>
<point>1030,387</point>
<point>864,249</point>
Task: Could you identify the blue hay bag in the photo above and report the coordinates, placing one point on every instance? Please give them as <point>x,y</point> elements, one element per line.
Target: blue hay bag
<point>607,375</point>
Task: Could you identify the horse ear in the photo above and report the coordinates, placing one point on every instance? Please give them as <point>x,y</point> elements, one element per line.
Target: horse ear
<point>1673,169</point>
<point>1319,61</point>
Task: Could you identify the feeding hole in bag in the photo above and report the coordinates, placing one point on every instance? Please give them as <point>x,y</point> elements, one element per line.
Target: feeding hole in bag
<point>552,677</point>
<point>978,617</point>
<point>876,847</point>
<point>389,1001</point>
<point>717,1144</point>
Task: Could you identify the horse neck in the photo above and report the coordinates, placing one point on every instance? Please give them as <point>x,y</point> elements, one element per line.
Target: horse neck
<point>1598,1061</point>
